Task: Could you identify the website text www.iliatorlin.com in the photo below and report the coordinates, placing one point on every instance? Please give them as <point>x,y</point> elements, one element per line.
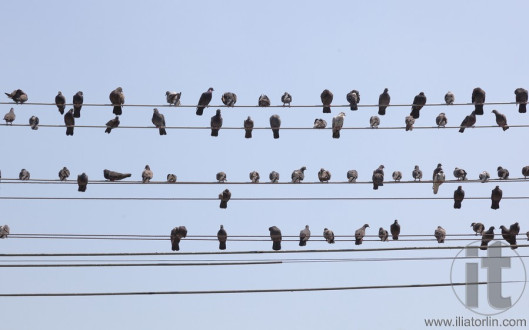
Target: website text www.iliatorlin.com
<point>488,321</point>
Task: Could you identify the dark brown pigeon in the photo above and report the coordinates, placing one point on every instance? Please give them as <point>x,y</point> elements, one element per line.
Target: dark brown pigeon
<point>521,99</point>
<point>501,120</point>
<point>263,101</point>
<point>64,173</point>
<point>486,237</point>
<point>274,177</point>
<point>353,97</point>
<point>177,233</point>
<point>216,123</point>
<point>112,123</point>
<point>495,197</point>
<point>383,234</point>
<point>275,124</point>
<point>383,102</point>
<point>222,236</point>
<point>478,228</point>
<point>82,182</point>
<point>478,98</point>
<point>248,127</point>
<point>328,235</point>
<point>158,120</point>
<point>229,99</point>
<point>60,101</point>
<point>509,237</point>
<point>204,100</point>
<point>449,98</point>
<point>525,171</point>
<point>378,177</point>
<point>326,99</point>
<point>503,173</point>
<point>224,197</point>
<point>117,98</point>
<point>115,176</point>
<point>440,234</point>
<point>304,236</point>
<point>69,121</point>
<point>77,104</point>
<point>418,102</point>
<point>459,195</point>
<point>286,99</point>
<point>360,233</point>
<point>469,121</point>
<point>275,235</point>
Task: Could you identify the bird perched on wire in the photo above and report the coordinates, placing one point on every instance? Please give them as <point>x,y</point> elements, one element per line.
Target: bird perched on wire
<point>64,173</point>
<point>224,197</point>
<point>459,195</point>
<point>204,100</point>
<point>60,102</point>
<point>275,235</point>
<point>115,176</point>
<point>78,99</point>
<point>274,177</point>
<point>326,99</point>
<point>324,175</point>
<point>254,177</point>
<point>378,177</point>
<point>263,101</point>
<point>416,173</point>
<point>353,97</point>
<point>222,236</point>
<point>409,123</point>
<point>418,102</point>
<point>24,174</point>
<point>469,121</point>
<point>275,124</point>
<point>525,171</point>
<point>374,121</point>
<point>10,116</point>
<point>383,102</point>
<point>383,234</point>
<point>441,120</point>
<point>328,235</point>
<point>34,122</point>
<point>440,234</point>
<point>69,121</point>
<point>438,178</point>
<point>397,176</point>
<point>221,177</point>
<point>4,231</point>
<point>352,175</point>
<point>515,228</point>
<point>484,176</point>
<point>171,178</point>
<point>449,98</point>
<point>495,197</point>
<point>360,233</point>
<point>298,175</point>
<point>82,182</point>
<point>304,236</point>
<point>521,99</point>
<point>117,98</point>
<point>501,120</point>
<point>18,96</point>
<point>229,99</point>
<point>177,233</point>
<point>286,99</point>
<point>503,173</point>
<point>248,127</point>
<point>147,174</point>
<point>486,237</point>
<point>158,120</point>
<point>173,98</point>
<point>460,174</point>
<point>509,237</point>
<point>337,124</point>
<point>395,230</point>
<point>112,123</point>
<point>478,98</point>
<point>478,228</point>
<point>319,123</point>
<point>216,123</point>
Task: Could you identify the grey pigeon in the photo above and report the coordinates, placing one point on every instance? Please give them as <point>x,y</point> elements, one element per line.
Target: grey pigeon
<point>204,100</point>
<point>374,121</point>
<point>115,176</point>
<point>298,175</point>
<point>326,99</point>
<point>409,123</point>
<point>324,175</point>
<point>171,178</point>
<point>112,123</point>
<point>320,123</point>
<point>158,120</point>
<point>360,233</point>
<point>352,175</point>
<point>378,177</point>
<point>24,174</point>
<point>248,127</point>
<point>275,124</point>
<point>216,123</point>
<point>117,98</point>
<point>146,175</point>
<point>395,230</point>
<point>484,176</point>
<point>383,234</point>
<point>10,116</point>
<point>449,98</point>
<point>254,177</point>
<point>34,122</point>
<point>383,102</point>
<point>501,120</point>
<point>64,173</point>
<point>173,98</point>
<point>460,174</point>
<point>525,171</point>
<point>286,99</point>
<point>221,177</point>
<point>78,99</point>
<point>222,236</point>
<point>416,173</point>
<point>438,178</point>
<point>18,96</point>
<point>438,169</point>
<point>478,228</point>
<point>440,234</point>
<point>503,173</point>
<point>82,182</point>
<point>397,176</point>
<point>486,237</point>
<point>515,228</point>
<point>4,231</point>
<point>69,121</point>
<point>495,197</point>
<point>274,177</point>
<point>337,124</point>
<point>441,120</point>
<point>224,197</point>
<point>263,101</point>
<point>469,121</point>
<point>177,233</point>
<point>509,237</point>
<point>353,97</point>
<point>328,235</point>
<point>275,235</point>
<point>459,195</point>
<point>521,99</point>
<point>229,99</point>
<point>60,102</point>
<point>478,98</point>
<point>418,102</point>
<point>304,236</point>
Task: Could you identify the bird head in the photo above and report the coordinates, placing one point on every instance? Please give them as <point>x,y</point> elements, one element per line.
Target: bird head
<point>492,228</point>
<point>366,226</point>
<point>302,169</point>
<point>307,226</point>
<point>218,112</point>
<point>499,168</point>
<point>80,93</point>
<point>119,90</point>
<point>221,227</point>
<point>147,167</point>
<point>472,225</point>
<point>396,221</point>
<point>60,93</point>
<point>421,93</point>
<point>385,90</point>
<point>342,114</point>
<point>416,167</point>
<point>210,89</point>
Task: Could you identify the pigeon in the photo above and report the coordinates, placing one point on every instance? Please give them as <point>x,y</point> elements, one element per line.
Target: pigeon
<point>525,171</point>
<point>503,173</point>
<point>204,100</point>
<point>60,101</point>
<point>352,175</point>
<point>224,197</point>
<point>115,176</point>
<point>486,237</point>
<point>173,98</point>
<point>4,231</point>
<point>397,176</point>
<point>10,116</point>
<point>274,177</point>
<point>221,177</point>
<point>409,123</point>
<point>416,173</point>
<point>438,178</point>
<point>328,235</point>
<point>147,174</point>
<point>374,121</point>
<point>158,120</point>
<point>324,175</point>
<point>449,98</point>
<point>478,228</point>
<point>254,177</point>
<point>360,233</point>
<point>418,102</point>
<point>441,120</point>
<point>69,121</point>
<point>82,182</point>
<point>222,236</point>
<point>64,174</point>
<point>438,169</point>
<point>501,120</point>
<point>298,175</point>
<point>286,99</point>
<point>171,178</point>
<point>395,230</point>
<point>326,99</point>
<point>229,99</point>
<point>18,96</point>
<point>177,233</point>
<point>320,123</point>
<point>117,98</point>
<point>248,127</point>
<point>460,174</point>
<point>509,237</point>
<point>34,122</point>
<point>383,102</point>
<point>478,98</point>
<point>275,235</point>
<point>304,236</point>
<point>527,234</point>
<point>521,99</point>
<point>216,123</point>
<point>337,124</point>
<point>77,104</point>
<point>353,97</point>
<point>378,177</point>
<point>383,234</point>
<point>440,234</point>
<point>263,101</point>
<point>469,121</point>
<point>515,228</point>
<point>24,174</point>
<point>275,124</point>
<point>112,123</point>
<point>484,176</point>
<point>495,197</point>
<point>459,195</point>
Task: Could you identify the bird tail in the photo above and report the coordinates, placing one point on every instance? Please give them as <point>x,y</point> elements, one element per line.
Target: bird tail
<point>457,204</point>
<point>395,237</point>
<point>77,112</point>
<point>82,188</point>
<point>34,127</point>
<point>358,241</point>
<point>415,113</point>
<point>382,111</point>
<point>222,245</point>
<point>326,109</point>
<point>69,130</point>
<point>375,186</point>
<point>175,246</point>
<point>248,134</point>
<point>514,246</point>
<point>117,110</point>
<point>8,95</point>
<point>409,128</point>
<point>162,131</point>
<point>495,205</point>
<point>61,109</point>
<point>336,134</point>
<point>302,242</point>
<point>522,108</point>
<point>200,111</point>
<point>435,188</point>
<point>505,127</point>
<point>108,130</point>
<point>479,109</point>
<point>127,175</point>
<point>354,107</point>
<point>214,132</point>
<point>223,204</point>
<point>276,246</point>
<point>276,133</point>
<point>483,246</point>
<point>462,129</point>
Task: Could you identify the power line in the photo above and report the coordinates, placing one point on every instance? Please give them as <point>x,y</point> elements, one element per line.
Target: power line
<point>141,264</point>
